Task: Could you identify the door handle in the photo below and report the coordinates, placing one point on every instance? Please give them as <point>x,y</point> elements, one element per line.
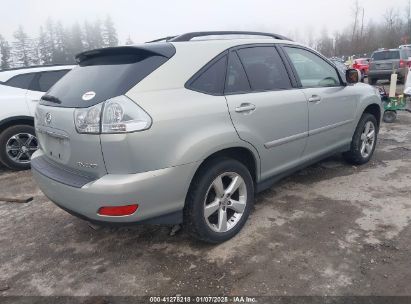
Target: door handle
<point>245,107</point>
<point>314,98</point>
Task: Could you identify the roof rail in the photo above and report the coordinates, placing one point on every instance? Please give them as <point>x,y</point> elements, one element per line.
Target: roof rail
<point>162,39</point>
<point>189,36</point>
<point>37,66</point>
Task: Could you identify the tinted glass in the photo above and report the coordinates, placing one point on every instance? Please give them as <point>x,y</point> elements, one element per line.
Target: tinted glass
<point>211,81</point>
<point>47,79</point>
<point>312,70</point>
<point>386,55</point>
<point>107,75</point>
<point>236,81</point>
<point>264,68</point>
<point>21,81</point>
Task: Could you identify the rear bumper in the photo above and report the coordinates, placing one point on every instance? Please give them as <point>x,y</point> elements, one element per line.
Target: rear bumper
<point>160,194</point>
<point>386,74</point>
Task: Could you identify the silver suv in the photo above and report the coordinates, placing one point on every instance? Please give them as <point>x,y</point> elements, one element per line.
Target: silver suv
<point>188,129</point>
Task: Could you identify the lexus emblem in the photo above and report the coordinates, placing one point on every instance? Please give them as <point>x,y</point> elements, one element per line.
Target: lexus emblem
<point>48,118</point>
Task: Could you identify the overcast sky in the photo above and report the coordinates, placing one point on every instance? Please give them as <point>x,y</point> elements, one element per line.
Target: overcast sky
<point>147,20</point>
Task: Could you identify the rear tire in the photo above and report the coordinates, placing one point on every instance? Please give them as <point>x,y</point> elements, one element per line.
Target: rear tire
<point>17,144</point>
<point>363,141</point>
<point>213,213</point>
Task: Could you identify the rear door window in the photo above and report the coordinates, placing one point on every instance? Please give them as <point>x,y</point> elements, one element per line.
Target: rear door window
<point>45,80</point>
<point>211,81</point>
<point>22,81</point>
<point>236,81</point>
<point>264,68</point>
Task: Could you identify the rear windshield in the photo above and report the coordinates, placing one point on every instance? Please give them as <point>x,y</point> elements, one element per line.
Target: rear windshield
<point>103,76</point>
<point>386,55</point>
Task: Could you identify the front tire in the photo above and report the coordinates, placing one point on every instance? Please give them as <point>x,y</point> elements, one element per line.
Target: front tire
<point>219,200</point>
<point>364,140</point>
<point>17,144</point>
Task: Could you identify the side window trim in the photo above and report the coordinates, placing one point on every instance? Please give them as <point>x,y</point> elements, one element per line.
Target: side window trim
<point>34,81</point>
<point>201,71</point>
<point>233,52</point>
<point>342,83</point>
<point>289,67</point>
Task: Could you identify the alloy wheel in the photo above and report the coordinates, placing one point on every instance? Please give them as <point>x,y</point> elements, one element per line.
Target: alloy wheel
<point>367,139</point>
<point>20,147</point>
<point>225,202</point>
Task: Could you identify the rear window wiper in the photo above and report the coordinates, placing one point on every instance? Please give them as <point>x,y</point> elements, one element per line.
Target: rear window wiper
<point>51,98</point>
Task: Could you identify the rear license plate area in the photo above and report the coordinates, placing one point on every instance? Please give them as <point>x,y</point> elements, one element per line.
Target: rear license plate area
<point>384,66</point>
<point>55,147</point>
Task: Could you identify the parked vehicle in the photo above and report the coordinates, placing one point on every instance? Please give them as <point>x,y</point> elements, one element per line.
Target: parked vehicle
<point>384,62</point>
<point>362,65</point>
<point>20,91</point>
<point>405,46</point>
<point>185,131</point>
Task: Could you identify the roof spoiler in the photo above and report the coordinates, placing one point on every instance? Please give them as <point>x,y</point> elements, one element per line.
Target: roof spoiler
<point>163,49</point>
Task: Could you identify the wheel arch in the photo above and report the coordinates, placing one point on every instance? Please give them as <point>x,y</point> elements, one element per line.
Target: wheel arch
<point>375,110</point>
<point>244,155</point>
<point>16,120</point>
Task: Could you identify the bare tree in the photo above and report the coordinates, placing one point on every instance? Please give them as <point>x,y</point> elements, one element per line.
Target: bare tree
<point>356,13</point>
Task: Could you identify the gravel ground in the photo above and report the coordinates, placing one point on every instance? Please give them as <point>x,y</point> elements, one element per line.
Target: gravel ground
<point>331,229</point>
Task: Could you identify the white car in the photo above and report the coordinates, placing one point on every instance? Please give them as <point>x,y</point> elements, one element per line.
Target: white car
<point>20,91</point>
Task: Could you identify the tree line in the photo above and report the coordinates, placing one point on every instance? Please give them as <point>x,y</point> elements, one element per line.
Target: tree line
<point>364,36</point>
<point>55,43</point>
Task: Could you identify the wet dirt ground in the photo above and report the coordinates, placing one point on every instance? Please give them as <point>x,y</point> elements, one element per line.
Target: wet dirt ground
<point>331,229</point>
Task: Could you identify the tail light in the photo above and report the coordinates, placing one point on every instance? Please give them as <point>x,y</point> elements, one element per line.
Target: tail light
<point>403,63</point>
<point>116,115</point>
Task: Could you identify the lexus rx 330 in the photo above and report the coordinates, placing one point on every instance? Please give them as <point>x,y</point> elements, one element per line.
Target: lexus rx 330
<point>187,129</point>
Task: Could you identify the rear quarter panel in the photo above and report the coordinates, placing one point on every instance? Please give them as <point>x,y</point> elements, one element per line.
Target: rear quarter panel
<point>187,127</point>
<point>13,102</point>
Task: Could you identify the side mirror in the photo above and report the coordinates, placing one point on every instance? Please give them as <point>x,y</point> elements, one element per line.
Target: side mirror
<point>353,76</point>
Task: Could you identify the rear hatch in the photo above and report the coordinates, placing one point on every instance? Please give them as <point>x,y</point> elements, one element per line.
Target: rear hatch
<point>385,60</point>
<point>101,74</point>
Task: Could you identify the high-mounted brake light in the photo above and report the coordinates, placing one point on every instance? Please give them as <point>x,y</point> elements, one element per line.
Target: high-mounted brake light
<point>118,210</point>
